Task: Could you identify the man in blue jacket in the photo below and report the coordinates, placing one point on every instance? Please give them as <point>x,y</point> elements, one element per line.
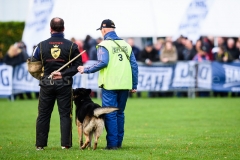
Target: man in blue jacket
<point>118,74</point>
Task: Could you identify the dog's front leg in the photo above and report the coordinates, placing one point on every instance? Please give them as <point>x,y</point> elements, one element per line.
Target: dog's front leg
<point>80,133</point>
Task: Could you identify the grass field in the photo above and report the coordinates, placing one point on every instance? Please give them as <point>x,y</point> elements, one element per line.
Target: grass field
<point>157,128</point>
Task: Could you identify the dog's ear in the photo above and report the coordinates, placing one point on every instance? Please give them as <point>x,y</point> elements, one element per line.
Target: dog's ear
<point>76,91</point>
<point>89,91</point>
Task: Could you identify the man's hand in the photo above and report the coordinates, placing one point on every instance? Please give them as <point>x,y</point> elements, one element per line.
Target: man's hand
<point>225,59</point>
<point>56,75</point>
<point>13,51</point>
<point>133,90</point>
<point>80,69</point>
<point>148,61</point>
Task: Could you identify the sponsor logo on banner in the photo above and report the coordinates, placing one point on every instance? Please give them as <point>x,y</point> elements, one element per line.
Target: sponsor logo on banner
<point>154,78</point>
<point>204,78</point>
<point>232,78</point>
<point>183,75</point>
<point>23,80</point>
<point>5,80</point>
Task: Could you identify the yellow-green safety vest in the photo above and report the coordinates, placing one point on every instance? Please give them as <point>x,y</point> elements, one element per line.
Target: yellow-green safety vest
<point>118,73</point>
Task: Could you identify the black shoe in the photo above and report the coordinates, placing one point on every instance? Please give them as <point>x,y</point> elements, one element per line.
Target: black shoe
<point>111,148</point>
<point>119,146</point>
<point>39,148</point>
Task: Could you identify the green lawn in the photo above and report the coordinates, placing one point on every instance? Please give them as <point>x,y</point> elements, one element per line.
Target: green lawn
<point>157,128</point>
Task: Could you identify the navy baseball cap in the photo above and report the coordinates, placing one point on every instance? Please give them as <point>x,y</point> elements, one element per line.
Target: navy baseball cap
<point>107,23</point>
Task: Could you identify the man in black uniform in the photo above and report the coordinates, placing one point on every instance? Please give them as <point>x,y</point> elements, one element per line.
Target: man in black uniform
<point>54,53</point>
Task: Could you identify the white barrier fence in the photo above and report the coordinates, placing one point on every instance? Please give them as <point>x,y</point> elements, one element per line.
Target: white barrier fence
<point>158,77</point>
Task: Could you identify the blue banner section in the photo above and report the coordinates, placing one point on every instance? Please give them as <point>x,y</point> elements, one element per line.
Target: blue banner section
<point>155,78</point>
<point>158,77</point>
<point>226,77</point>
<point>183,75</point>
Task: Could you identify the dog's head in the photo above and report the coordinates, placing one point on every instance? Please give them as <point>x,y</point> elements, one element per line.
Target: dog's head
<point>81,92</point>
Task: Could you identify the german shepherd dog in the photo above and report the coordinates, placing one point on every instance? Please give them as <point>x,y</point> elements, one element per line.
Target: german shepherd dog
<point>89,117</point>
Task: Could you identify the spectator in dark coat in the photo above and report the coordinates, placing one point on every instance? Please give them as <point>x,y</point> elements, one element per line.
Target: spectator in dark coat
<point>15,55</point>
<point>179,44</point>
<point>231,48</point>
<point>238,44</point>
<point>149,54</point>
<point>189,52</point>
<point>208,43</point>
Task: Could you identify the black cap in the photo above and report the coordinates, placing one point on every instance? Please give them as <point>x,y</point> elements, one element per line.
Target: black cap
<point>148,43</point>
<point>107,23</point>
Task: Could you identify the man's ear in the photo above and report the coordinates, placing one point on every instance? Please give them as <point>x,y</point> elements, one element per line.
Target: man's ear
<point>89,91</point>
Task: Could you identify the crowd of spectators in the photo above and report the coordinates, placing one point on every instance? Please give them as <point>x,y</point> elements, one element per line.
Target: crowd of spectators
<point>164,50</point>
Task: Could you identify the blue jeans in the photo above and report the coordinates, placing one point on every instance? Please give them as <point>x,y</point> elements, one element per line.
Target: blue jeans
<point>114,122</point>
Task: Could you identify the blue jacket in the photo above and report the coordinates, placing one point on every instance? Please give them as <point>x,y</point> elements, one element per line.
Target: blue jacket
<point>103,58</point>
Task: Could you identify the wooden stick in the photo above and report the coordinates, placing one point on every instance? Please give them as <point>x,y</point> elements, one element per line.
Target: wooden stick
<point>67,63</point>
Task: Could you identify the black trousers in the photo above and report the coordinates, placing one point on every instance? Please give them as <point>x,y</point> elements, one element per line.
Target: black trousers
<point>48,94</point>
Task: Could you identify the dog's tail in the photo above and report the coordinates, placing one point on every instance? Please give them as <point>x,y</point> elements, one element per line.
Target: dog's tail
<point>104,110</point>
